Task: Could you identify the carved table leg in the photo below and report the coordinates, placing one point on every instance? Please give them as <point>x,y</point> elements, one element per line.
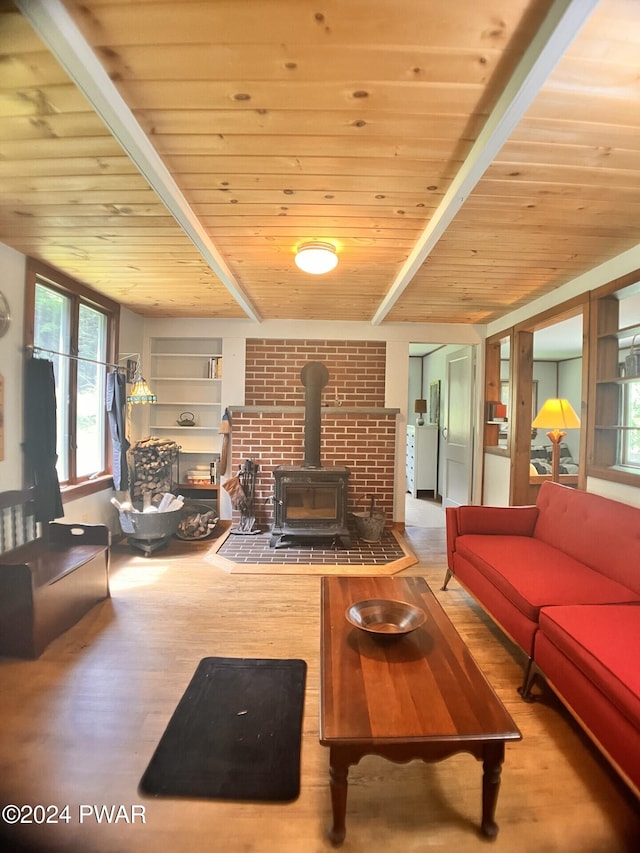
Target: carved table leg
<point>338,773</point>
<point>492,768</point>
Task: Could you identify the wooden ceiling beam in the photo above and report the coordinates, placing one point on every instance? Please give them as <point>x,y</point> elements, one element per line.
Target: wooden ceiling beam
<point>57,30</point>
<point>559,29</point>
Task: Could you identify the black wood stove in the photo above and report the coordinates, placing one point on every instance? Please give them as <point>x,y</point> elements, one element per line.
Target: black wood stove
<point>311,501</point>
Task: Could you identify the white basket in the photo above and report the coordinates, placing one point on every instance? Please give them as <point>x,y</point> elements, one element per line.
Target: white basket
<point>632,361</point>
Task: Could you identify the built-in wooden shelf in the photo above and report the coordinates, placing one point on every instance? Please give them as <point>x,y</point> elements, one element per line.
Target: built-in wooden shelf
<point>205,487</point>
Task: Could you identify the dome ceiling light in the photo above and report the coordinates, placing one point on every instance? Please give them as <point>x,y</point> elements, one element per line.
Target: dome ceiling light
<point>316,258</point>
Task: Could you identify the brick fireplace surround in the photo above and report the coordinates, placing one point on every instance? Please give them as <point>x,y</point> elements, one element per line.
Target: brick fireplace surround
<point>360,433</point>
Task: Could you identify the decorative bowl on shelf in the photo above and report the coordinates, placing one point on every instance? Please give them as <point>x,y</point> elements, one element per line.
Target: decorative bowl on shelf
<point>385,617</point>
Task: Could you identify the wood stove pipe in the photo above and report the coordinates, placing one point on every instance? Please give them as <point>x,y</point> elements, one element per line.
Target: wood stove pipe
<point>314,376</point>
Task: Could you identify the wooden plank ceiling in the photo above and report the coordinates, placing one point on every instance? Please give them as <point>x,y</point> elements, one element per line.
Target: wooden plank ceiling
<point>346,121</point>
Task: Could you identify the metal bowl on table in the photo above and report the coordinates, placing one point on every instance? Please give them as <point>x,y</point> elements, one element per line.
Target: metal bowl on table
<point>385,617</point>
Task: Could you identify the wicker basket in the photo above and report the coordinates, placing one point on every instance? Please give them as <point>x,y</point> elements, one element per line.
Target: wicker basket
<point>632,361</point>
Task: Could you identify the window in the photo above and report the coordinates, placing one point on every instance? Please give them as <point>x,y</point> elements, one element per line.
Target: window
<point>90,409</point>
<point>631,422</point>
<point>497,394</point>
<point>74,328</point>
<point>615,389</point>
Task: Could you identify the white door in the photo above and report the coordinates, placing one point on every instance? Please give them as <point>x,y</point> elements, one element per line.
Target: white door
<point>457,427</point>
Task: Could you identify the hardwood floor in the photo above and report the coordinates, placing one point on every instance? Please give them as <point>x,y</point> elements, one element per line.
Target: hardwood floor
<point>79,725</point>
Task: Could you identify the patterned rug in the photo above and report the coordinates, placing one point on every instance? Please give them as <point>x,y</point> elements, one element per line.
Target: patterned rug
<point>253,555</point>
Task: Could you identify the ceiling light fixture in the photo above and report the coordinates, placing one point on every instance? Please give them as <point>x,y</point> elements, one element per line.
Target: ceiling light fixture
<point>316,258</point>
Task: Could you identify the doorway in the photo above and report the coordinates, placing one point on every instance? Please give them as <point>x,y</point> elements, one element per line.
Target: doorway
<point>555,367</point>
<point>429,366</point>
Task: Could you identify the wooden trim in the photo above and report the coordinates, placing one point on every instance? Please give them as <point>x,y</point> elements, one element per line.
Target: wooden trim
<point>614,475</point>
<point>604,397</point>
<point>521,416</point>
<point>564,311</point>
<point>620,283</point>
<point>523,486</point>
<point>497,451</point>
<point>86,487</point>
<point>492,384</point>
<point>79,294</point>
<point>587,351</point>
<point>566,479</point>
<point>36,269</point>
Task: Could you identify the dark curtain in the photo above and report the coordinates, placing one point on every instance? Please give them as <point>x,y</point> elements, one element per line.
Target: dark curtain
<point>40,437</point>
<point>116,408</point>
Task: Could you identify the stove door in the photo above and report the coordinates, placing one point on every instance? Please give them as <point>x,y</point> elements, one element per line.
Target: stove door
<point>308,503</point>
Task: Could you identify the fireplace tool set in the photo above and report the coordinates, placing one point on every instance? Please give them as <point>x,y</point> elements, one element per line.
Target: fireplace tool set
<point>241,489</point>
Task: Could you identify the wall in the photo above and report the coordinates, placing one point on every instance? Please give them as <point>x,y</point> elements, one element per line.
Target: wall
<point>545,373</point>
<point>606,272</point>
<point>96,508</point>
<point>131,341</point>
<point>93,508</point>
<point>496,480</point>
<point>12,273</point>
<point>570,388</point>
<point>397,337</point>
<point>356,371</point>
<point>416,389</point>
<point>356,431</point>
<point>435,370</point>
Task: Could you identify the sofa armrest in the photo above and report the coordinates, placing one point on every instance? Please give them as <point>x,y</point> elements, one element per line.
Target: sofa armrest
<point>451,519</point>
<point>496,520</point>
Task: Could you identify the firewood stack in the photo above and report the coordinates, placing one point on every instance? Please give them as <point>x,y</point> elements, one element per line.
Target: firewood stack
<point>196,525</point>
<point>153,460</point>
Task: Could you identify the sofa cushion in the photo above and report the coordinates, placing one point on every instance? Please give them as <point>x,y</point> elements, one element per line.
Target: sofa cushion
<point>532,574</point>
<point>603,641</point>
<point>601,533</point>
<point>496,520</point>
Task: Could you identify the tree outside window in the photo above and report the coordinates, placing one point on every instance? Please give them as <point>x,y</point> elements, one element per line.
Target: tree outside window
<point>90,409</point>
<point>631,437</point>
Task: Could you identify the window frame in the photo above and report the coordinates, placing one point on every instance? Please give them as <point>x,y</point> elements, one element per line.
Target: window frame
<point>37,272</point>
<point>605,427</point>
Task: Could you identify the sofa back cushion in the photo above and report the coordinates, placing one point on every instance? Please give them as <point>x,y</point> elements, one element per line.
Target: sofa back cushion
<point>602,533</point>
<point>496,520</point>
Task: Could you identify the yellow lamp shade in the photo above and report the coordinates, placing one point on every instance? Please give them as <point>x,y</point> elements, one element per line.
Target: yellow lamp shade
<point>557,414</point>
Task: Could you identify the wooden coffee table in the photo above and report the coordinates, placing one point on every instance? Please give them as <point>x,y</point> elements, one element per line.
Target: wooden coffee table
<point>416,696</point>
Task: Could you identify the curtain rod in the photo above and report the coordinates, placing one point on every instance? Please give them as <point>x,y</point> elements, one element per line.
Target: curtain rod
<point>35,349</point>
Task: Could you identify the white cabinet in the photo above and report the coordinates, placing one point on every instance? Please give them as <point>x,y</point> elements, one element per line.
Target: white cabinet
<point>186,376</point>
<point>422,459</point>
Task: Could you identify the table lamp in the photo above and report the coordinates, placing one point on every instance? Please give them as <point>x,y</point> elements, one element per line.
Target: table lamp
<point>420,407</point>
<point>556,415</point>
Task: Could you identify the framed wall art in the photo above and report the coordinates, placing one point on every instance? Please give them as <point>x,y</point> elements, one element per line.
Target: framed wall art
<point>434,402</point>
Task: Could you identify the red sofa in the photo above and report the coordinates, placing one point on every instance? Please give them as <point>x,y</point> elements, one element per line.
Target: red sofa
<point>562,579</point>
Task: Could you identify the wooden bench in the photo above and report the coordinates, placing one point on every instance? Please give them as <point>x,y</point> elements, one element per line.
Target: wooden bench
<point>50,575</point>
